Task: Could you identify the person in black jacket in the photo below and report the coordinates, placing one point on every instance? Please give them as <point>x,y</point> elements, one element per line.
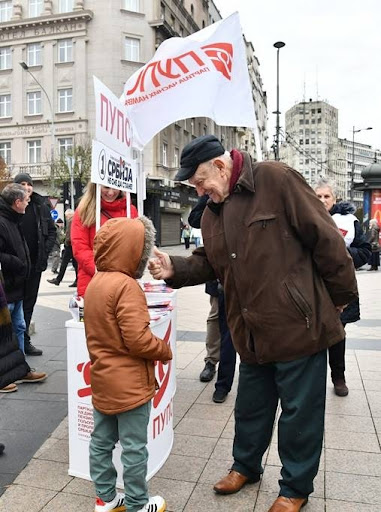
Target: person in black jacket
<point>15,266</point>
<point>40,234</point>
<point>14,254</point>
<point>12,361</point>
<point>360,250</point>
<point>222,344</point>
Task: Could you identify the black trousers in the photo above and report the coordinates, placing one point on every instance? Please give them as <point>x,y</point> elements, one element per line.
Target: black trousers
<point>300,386</point>
<point>186,242</point>
<point>32,284</point>
<point>226,366</point>
<point>66,258</point>
<point>336,357</point>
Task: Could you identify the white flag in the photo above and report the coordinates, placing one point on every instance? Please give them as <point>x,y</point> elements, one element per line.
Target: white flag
<point>202,75</point>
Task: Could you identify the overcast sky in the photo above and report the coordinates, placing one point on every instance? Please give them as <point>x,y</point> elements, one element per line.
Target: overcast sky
<point>333,51</point>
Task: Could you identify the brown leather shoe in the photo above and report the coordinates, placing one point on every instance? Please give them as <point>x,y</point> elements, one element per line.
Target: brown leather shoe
<point>233,482</point>
<point>283,504</point>
<point>32,377</point>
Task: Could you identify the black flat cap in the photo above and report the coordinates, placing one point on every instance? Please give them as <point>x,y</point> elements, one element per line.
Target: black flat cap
<point>196,152</point>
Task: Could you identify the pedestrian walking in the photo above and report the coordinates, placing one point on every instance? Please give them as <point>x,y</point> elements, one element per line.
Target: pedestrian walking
<point>122,351</point>
<point>374,240</point>
<point>196,236</point>
<point>359,249</point>
<point>39,231</point>
<point>68,253</point>
<point>286,275</point>
<point>113,204</point>
<point>56,251</point>
<point>185,234</point>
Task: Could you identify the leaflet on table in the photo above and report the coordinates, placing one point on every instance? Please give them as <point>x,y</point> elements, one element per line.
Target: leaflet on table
<point>155,287</point>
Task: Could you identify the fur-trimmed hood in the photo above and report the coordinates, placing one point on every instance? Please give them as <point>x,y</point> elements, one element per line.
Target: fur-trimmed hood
<point>343,208</point>
<point>124,245</point>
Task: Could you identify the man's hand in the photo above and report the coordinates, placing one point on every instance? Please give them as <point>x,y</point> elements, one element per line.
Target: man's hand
<point>160,267</point>
<point>340,309</point>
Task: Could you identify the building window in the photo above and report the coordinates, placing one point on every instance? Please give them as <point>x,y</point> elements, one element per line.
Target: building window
<point>65,100</point>
<point>34,151</point>
<point>192,10</point>
<point>5,151</point>
<point>192,126</point>
<point>131,5</point>
<point>132,49</point>
<point>165,154</point>
<point>5,11</point>
<point>176,158</point>
<point>5,58</point>
<point>65,145</point>
<point>34,54</point>
<point>35,8</point>
<point>66,5</point>
<point>5,105</point>
<point>65,50</point>
<point>34,103</point>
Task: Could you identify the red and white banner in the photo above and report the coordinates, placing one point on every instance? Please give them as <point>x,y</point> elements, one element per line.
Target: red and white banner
<point>160,428</point>
<point>202,75</point>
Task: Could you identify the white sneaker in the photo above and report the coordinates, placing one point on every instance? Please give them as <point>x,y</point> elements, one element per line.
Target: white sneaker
<point>155,504</point>
<point>117,504</point>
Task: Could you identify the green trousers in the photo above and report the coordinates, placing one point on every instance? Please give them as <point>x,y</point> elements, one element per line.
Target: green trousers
<point>130,428</point>
<point>300,386</point>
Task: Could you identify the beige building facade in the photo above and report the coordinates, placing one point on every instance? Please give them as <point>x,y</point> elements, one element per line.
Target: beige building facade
<point>47,101</point>
<point>311,137</point>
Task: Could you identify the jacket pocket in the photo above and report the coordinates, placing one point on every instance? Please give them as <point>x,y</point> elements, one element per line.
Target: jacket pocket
<point>150,379</point>
<point>262,220</point>
<point>299,302</point>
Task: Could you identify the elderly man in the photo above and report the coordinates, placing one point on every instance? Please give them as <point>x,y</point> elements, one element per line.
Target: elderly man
<point>286,275</point>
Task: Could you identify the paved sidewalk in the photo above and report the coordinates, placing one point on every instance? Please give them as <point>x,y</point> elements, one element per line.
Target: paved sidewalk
<point>349,479</point>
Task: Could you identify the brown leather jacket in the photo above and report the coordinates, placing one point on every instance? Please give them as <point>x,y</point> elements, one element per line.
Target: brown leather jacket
<point>282,262</point>
<point>121,345</point>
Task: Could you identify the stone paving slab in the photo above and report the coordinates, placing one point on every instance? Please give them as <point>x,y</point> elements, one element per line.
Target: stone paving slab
<point>349,478</point>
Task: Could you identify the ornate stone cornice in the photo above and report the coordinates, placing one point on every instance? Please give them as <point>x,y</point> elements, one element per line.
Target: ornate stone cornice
<point>46,21</point>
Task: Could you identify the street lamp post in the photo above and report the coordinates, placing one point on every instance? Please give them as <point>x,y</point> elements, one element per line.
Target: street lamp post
<point>352,191</point>
<point>278,45</point>
<point>25,66</point>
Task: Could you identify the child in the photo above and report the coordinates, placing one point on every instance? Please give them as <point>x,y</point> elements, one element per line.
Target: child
<point>122,350</point>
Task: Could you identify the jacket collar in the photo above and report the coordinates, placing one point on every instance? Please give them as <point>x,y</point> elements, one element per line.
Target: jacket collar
<point>246,179</point>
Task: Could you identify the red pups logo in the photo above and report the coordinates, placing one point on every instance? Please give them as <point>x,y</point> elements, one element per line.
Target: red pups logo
<point>84,368</point>
<point>163,372</point>
<point>221,55</point>
<point>182,67</point>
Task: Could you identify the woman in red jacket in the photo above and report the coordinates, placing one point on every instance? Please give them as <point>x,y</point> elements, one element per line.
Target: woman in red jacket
<point>113,204</point>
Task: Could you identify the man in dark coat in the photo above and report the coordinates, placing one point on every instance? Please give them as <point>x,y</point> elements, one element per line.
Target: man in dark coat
<point>14,254</point>
<point>287,275</point>
<point>15,266</point>
<point>40,234</point>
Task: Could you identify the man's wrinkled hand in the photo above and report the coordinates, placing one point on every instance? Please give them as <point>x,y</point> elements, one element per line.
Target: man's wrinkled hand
<point>160,266</point>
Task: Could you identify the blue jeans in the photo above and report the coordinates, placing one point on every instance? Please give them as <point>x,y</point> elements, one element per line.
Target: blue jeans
<point>18,322</point>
